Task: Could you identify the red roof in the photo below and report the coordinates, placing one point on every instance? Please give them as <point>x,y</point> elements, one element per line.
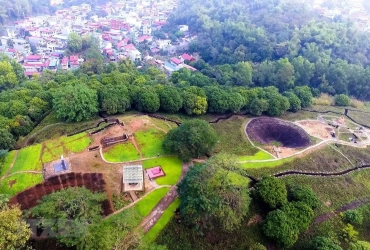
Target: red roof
<point>73,58</point>
<point>28,73</point>
<point>47,63</point>
<point>33,57</point>
<point>187,57</point>
<point>12,50</point>
<point>176,60</point>
<point>190,67</point>
<point>129,47</point>
<point>65,60</point>
<point>143,38</point>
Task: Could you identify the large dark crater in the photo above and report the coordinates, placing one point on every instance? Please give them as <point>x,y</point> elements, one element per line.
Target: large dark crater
<point>266,130</point>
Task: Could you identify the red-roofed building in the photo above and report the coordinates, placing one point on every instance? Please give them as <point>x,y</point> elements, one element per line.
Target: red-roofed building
<point>189,67</point>
<point>176,61</point>
<point>145,38</point>
<point>33,58</point>
<point>65,63</point>
<point>187,57</point>
<point>122,43</point>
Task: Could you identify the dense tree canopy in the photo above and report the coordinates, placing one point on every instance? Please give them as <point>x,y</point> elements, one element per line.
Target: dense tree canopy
<point>272,191</point>
<point>75,209</point>
<point>75,103</point>
<point>191,139</point>
<point>14,231</point>
<point>211,198</point>
<point>323,243</point>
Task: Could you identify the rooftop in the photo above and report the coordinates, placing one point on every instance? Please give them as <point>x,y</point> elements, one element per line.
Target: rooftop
<point>133,174</point>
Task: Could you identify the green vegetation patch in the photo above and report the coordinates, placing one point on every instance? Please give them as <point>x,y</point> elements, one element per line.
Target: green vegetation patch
<point>266,164</point>
<point>67,139</point>
<point>4,167</point>
<point>146,205</point>
<point>232,138</point>
<point>19,182</point>
<point>152,234</point>
<point>171,166</point>
<point>122,152</point>
<point>150,142</point>
<point>78,145</point>
<point>28,159</point>
<point>51,154</point>
<point>260,155</point>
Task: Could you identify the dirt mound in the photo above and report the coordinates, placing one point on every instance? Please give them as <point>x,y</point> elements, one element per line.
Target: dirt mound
<point>93,181</point>
<point>266,130</point>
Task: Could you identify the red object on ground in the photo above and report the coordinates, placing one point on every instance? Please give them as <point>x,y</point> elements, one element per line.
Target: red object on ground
<point>155,172</point>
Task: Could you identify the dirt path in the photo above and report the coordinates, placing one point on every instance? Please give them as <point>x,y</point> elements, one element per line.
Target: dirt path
<point>133,196</point>
<point>133,140</point>
<point>37,132</point>
<point>149,221</point>
<point>11,165</point>
<point>133,203</point>
<point>349,206</point>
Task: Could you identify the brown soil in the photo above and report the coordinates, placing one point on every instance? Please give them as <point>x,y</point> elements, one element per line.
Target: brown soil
<point>256,219</point>
<point>11,183</point>
<point>266,130</point>
<point>317,129</point>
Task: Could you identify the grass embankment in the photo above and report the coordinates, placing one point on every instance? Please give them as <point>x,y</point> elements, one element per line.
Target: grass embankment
<point>144,206</point>
<point>19,182</point>
<point>232,138</point>
<point>167,215</point>
<point>65,145</point>
<point>28,159</point>
<point>7,163</point>
<point>150,142</point>
<point>260,155</point>
<point>122,152</point>
<point>47,130</point>
<point>171,166</point>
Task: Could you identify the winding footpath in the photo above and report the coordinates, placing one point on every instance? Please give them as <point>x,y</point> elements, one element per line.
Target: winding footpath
<point>156,213</point>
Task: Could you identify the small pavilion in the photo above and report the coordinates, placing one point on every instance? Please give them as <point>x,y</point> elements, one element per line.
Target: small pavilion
<point>133,178</point>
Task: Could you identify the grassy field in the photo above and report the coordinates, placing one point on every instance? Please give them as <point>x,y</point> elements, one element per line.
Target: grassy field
<point>325,159</point>
<point>170,165</point>
<point>152,234</point>
<point>79,145</point>
<point>360,117</point>
<point>47,130</point>
<point>122,152</point>
<point>150,142</point>
<point>52,154</point>
<point>144,206</point>
<point>28,159</point>
<point>232,138</point>
<point>19,182</point>
<point>7,162</point>
<point>260,155</point>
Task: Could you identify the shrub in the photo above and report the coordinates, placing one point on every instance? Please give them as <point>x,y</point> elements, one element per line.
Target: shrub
<point>353,217</point>
<point>342,100</point>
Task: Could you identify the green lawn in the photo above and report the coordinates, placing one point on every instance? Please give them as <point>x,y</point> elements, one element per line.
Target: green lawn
<point>78,145</point>
<point>170,165</point>
<point>51,154</point>
<point>122,152</point>
<point>22,182</point>
<point>152,234</point>
<point>232,138</point>
<point>28,159</point>
<point>150,142</point>
<point>7,162</point>
<point>144,206</point>
<point>260,155</point>
<point>267,164</point>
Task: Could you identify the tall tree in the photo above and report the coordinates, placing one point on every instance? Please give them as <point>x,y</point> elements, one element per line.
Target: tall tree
<point>14,231</point>
<point>193,138</point>
<point>210,197</point>
<point>70,211</point>
<point>74,42</point>
<point>75,103</point>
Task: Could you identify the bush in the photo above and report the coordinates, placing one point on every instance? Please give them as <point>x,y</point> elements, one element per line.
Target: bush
<point>353,217</point>
<point>323,243</point>
<point>272,191</point>
<point>257,246</point>
<point>304,194</point>
<point>342,100</point>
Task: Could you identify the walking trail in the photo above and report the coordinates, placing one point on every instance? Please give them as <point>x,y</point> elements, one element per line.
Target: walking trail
<point>149,221</point>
